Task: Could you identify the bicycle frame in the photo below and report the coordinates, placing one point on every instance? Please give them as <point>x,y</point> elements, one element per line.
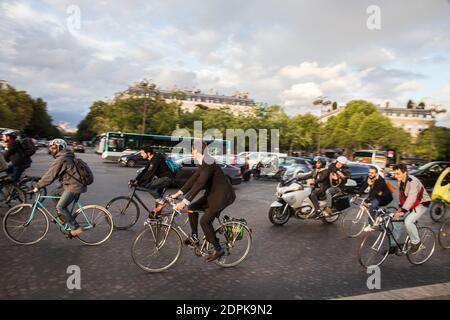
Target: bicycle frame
<point>65,227</point>
<point>390,234</point>
<point>134,195</point>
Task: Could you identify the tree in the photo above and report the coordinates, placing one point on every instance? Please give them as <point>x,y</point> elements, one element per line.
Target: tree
<point>334,105</point>
<point>410,104</point>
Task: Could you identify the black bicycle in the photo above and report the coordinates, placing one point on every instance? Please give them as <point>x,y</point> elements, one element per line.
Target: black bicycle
<point>125,210</point>
<point>10,193</point>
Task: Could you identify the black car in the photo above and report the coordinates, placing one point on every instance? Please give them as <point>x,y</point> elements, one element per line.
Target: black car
<point>358,173</point>
<point>132,160</point>
<point>430,172</point>
<point>189,166</point>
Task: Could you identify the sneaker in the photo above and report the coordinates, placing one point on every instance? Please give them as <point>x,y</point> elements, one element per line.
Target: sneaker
<point>76,232</point>
<point>159,202</point>
<point>414,248</point>
<point>369,228</point>
<point>326,212</point>
<point>393,250</point>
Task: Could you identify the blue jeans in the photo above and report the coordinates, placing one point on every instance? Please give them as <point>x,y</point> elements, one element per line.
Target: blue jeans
<point>67,198</point>
<point>15,172</point>
<point>373,209</point>
<point>329,194</point>
<point>410,226</point>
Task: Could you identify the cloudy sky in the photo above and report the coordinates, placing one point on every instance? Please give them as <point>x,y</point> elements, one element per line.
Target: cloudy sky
<point>280,51</point>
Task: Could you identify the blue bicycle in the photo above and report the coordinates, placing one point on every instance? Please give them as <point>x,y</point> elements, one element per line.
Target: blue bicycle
<point>27,224</point>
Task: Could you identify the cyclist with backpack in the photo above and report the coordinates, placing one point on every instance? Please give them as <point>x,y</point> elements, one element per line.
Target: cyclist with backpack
<point>413,203</point>
<point>74,175</point>
<point>18,153</point>
<point>157,174</point>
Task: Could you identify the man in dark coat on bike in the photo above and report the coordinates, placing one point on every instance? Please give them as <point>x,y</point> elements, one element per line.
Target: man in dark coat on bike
<point>219,194</point>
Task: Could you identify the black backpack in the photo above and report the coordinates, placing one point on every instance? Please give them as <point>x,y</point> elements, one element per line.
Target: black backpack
<point>85,175</point>
<point>28,146</point>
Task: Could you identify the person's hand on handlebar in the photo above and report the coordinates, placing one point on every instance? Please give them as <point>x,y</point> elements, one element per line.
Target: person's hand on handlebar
<point>180,206</point>
<point>175,195</point>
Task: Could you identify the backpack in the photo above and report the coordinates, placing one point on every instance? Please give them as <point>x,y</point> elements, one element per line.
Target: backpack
<point>28,146</point>
<point>174,168</point>
<point>86,177</point>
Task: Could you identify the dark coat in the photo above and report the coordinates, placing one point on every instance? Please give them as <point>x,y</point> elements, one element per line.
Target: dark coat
<point>157,167</point>
<point>379,190</point>
<point>218,190</point>
<point>321,181</point>
<point>345,170</point>
<point>16,154</point>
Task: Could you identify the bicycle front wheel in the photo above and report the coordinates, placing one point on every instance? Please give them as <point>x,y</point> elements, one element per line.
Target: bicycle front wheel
<point>156,248</point>
<point>374,249</point>
<point>354,221</point>
<point>236,239</point>
<point>125,212</point>
<point>96,222</point>
<point>427,247</point>
<point>22,228</point>
<point>444,234</point>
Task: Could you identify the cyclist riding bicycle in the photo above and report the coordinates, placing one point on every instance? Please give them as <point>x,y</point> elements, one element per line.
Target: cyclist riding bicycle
<point>413,203</point>
<point>20,160</point>
<point>379,195</point>
<point>320,183</point>
<point>156,176</point>
<point>339,173</point>
<point>219,194</point>
<point>64,169</point>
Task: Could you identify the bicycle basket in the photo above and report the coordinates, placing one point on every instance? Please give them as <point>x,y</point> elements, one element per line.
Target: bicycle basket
<point>235,230</point>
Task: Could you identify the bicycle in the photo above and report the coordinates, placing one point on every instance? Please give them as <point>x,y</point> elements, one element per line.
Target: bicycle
<point>126,211</point>
<point>354,222</point>
<point>161,239</point>
<point>10,194</point>
<point>444,234</point>
<point>374,248</point>
<point>33,220</point>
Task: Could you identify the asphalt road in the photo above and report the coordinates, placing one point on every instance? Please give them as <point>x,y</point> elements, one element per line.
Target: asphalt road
<point>300,260</point>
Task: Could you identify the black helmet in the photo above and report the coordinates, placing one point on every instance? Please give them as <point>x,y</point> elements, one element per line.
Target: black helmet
<point>322,162</point>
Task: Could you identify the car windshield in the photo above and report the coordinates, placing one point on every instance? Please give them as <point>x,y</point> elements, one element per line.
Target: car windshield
<point>355,169</point>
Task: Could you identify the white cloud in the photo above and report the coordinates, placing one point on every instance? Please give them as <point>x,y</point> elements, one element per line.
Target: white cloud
<point>408,86</point>
<point>301,94</point>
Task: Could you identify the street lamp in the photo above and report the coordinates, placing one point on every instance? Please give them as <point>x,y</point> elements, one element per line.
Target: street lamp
<point>146,89</point>
<point>320,101</point>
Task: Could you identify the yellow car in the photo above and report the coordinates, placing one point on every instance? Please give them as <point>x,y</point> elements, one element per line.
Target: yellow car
<point>441,196</point>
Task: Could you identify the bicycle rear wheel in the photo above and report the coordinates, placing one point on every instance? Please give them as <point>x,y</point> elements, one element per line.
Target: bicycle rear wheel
<point>20,229</point>
<point>156,248</point>
<point>96,222</point>
<point>374,249</point>
<point>444,234</point>
<point>236,239</point>
<point>124,211</point>
<point>426,250</point>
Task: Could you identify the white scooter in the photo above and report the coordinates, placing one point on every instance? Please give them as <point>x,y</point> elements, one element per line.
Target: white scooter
<point>293,200</point>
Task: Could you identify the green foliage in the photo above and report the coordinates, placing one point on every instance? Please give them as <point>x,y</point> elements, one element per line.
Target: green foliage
<point>18,110</point>
<point>434,143</point>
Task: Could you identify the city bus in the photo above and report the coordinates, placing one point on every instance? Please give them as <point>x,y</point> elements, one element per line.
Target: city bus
<point>376,157</point>
<point>113,145</point>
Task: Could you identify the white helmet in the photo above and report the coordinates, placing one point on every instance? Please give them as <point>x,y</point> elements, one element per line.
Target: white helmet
<point>342,160</point>
<point>60,143</point>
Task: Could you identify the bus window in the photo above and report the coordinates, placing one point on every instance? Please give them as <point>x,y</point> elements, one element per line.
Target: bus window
<point>116,144</point>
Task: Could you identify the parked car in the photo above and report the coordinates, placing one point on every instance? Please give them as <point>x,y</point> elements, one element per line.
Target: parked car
<point>189,166</point>
<point>42,143</point>
<point>254,157</point>
<point>240,162</point>
<point>430,172</point>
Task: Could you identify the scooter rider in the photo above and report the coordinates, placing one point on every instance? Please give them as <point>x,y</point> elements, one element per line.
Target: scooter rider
<point>339,173</point>
<point>320,184</point>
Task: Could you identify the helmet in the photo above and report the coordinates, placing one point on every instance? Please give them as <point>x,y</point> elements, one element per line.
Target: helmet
<point>322,162</point>
<point>342,160</point>
<point>11,133</point>
<point>60,143</point>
